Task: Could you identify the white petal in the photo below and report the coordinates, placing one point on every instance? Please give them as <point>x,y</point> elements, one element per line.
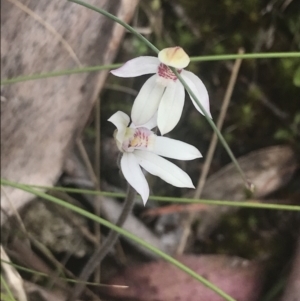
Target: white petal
<point>170,107</point>
<point>152,123</point>
<point>164,169</point>
<point>147,101</point>
<point>121,121</point>
<point>198,88</point>
<point>138,66</point>
<point>175,149</point>
<point>134,175</point>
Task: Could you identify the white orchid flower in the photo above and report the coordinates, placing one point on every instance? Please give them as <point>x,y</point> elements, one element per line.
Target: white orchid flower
<point>142,148</point>
<point>163,92</point>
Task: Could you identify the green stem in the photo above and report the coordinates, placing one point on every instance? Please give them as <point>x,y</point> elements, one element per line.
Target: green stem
<point>216,130</point>
<point>133,31</point>
<point>245,56</point>
<point>6,287</point>
<point>114,18</point>
<point>124,233</point>
<point>58,73</point>
<point>193,59</point>
<point>243,204</point>
<point>18,267</point>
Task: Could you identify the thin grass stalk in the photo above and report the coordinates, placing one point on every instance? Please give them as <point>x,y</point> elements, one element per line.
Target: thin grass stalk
<point>123,232</point>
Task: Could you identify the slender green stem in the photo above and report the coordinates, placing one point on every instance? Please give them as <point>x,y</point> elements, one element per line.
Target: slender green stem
<point>122,232</point>
<point>105,67</point>
<point>216,130</point>
<point>58,73</point>
<point>258,55</point>
<point>18,267</point>
<point>244,204</point>
<point>6,287</point>
<point>114,18</point>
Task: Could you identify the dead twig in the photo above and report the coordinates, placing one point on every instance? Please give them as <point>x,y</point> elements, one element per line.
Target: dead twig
<point>102,251</point>
<point>210,153</point>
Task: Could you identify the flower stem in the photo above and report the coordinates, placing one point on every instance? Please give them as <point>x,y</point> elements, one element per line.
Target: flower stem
<point>103,249</point>
<point>116,19</point>
<point>248,185</point>
<point>132,30</point>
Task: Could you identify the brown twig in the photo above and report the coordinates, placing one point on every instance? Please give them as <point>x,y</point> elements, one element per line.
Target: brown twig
<point>86,161</point>
<point>93,174</point>
<point>210,153</point>
<point>97,226</point>
<point>103,250</point>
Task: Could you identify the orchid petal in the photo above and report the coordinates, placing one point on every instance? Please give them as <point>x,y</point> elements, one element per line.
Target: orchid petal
<point>134,175</point>
<point>198,88</point>
<point>121,121</point>
<point>147,101</point>
<point>138,66</point>
<point>175,149</point>
<point>152,123</point>
<point>164,169</point>
<point>170,107</point>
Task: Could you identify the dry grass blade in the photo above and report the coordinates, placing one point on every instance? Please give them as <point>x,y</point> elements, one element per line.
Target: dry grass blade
<point>210,153</point>
<point>97,167</point>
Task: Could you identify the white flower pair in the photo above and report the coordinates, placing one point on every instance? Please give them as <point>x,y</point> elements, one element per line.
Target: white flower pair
<point>159,103</point>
